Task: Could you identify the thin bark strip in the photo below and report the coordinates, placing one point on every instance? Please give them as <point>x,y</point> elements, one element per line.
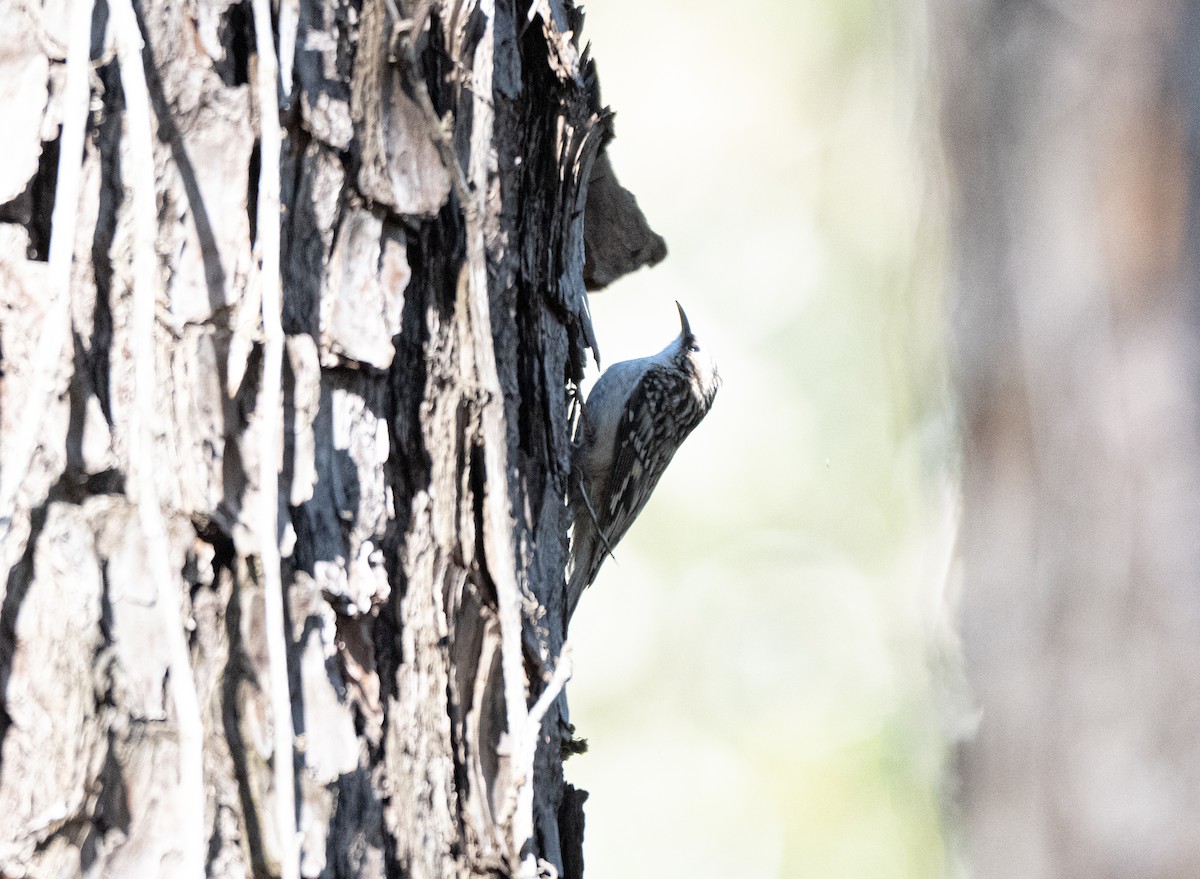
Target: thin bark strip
<point>142,326</point>
<point>270,402</point>
<point>498,518</point>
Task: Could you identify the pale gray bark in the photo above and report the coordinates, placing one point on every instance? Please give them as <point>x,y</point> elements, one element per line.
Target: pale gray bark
<point>1076,342</point>
<point>435,175</point>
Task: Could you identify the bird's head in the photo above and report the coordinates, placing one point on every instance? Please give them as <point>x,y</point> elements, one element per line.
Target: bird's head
<point>695,359</point>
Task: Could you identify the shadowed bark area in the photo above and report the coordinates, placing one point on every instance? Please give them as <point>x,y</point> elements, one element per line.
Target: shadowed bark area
<point>435,170</point>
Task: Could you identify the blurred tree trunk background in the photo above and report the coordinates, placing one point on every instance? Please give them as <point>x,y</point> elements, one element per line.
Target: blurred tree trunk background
<point>1070,133</point>
<point>350,672</point>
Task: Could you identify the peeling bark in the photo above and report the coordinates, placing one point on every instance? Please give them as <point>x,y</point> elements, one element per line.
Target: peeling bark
<point>439,166</point>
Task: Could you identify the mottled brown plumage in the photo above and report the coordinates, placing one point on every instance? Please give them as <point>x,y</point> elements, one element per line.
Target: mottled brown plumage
<point>635,419</point>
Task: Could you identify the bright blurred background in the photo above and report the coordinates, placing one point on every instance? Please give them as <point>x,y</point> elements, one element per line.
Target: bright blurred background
<point>764,673</point>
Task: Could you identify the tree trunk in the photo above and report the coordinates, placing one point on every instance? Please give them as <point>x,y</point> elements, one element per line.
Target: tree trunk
<point>1076,333</point>
<point>293,312</point>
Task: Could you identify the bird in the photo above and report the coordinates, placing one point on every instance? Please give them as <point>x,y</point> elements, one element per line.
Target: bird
<point>634,420</point>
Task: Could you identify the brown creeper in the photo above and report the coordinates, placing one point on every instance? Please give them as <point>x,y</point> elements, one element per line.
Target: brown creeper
<point>635,419</point>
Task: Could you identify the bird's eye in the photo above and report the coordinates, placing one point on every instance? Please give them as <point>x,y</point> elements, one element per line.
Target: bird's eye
<point>694,348</point>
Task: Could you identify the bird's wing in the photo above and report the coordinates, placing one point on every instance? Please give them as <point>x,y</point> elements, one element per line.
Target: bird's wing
<point>641,453</point>
<point>609,394</point>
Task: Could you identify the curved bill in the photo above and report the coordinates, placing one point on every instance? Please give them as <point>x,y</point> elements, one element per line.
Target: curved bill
<point>683,321</point>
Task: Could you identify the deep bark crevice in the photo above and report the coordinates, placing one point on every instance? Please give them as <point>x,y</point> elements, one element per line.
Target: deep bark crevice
<point>19,579</point>
<point>237,37</point>
<point>234,677</point>
<point>34,207</point>
<point>112,194</point>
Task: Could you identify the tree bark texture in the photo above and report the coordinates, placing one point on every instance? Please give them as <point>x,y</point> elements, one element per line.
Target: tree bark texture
<point>1069,130</point>
<point>437,236</point>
